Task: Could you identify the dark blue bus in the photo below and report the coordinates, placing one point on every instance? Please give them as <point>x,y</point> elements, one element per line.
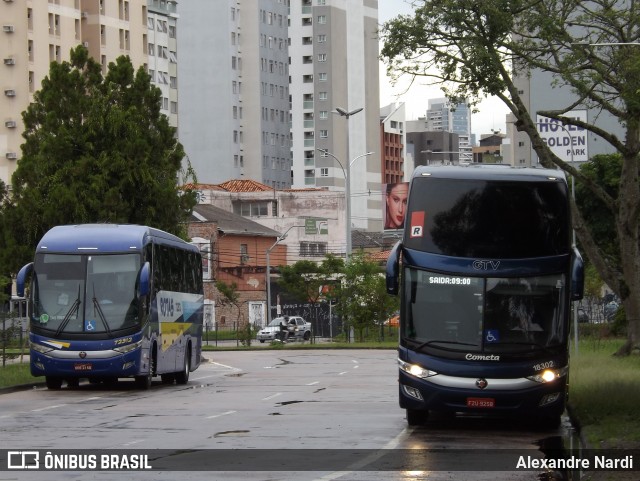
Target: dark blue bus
<point>486,272</point>
<point>113,301</point>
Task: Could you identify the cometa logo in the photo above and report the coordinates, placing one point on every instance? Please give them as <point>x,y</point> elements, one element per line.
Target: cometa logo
<point>481,357</point>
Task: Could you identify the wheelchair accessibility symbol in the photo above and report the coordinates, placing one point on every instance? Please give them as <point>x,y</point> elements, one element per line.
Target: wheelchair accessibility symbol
<point>492,335</point>
<point>90,325</point>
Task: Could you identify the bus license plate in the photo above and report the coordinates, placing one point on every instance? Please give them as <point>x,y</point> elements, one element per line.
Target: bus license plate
<point>82,366</point>
<point>481,402</point>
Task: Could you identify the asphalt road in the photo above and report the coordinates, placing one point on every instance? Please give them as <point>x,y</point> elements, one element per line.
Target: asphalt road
<point>297,408</point>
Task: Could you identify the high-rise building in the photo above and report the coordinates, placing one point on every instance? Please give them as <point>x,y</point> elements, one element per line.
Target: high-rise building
<point>162,51</point>
<point>442,116</point>
<point>334,65</point>
<point>36,33</point>
<point>234,90</point>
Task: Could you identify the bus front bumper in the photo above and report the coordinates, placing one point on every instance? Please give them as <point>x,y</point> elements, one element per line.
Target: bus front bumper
<point>503,397</point>
<point>83,364</point>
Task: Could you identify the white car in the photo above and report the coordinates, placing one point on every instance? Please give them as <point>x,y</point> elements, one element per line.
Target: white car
<point>298,329</point>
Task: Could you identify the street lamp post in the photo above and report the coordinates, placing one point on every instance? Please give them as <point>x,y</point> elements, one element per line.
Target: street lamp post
<point>347,190</point>
<point>347,114</point>
<point>280,239</point>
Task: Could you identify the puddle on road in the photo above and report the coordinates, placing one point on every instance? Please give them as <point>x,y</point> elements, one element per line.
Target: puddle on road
<point>565,445</point>
<point>239,432</point>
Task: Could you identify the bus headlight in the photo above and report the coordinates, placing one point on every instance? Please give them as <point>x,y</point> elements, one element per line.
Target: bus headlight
<point>128,348</point>
<point>548,375</point>
<point>40,348</point>
<point>415,370</point>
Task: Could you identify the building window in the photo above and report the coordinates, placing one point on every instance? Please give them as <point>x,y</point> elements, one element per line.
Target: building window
<point>324,172</point>
<point>322,57</point>
<point>322,19</point>
<point>322,38</point>
<point>313,249</point>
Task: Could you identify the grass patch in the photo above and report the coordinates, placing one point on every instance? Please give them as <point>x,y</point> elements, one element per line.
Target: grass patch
<point>603,393</point>
<point>15,374</point>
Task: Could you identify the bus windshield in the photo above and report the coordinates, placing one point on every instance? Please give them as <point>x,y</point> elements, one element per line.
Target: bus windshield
<point>490,315</point>
<point>85,293</point>
<point>488,218</point>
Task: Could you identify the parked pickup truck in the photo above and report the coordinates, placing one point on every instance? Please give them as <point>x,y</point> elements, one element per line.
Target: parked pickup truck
<point>298,329</point>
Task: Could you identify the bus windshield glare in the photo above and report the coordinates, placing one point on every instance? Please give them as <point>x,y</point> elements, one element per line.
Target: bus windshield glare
<point>85,293</point>
<point>475,314</point>
<point>486,218</point>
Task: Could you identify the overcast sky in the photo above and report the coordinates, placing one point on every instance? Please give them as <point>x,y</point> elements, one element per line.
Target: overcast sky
<point>492,111</point>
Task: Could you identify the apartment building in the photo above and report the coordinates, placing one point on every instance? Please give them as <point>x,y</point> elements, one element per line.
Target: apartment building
<point>442,116</point>
<point>392,133</point>
<point>334,64</point>
<point>36,33</point>
<point>162,54</point>
<point>234,90</point>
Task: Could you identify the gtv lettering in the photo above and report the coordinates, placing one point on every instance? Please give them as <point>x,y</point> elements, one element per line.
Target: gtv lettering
<point>486,265</point>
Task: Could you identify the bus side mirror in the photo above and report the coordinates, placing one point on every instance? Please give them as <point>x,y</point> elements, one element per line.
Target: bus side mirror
<point>145,272</point>
<point>577,276</point>
<point>392,270</point>
<point>21,280</point>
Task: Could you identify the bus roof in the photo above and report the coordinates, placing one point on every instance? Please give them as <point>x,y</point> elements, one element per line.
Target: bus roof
<point>105,238</point>
<point>489,172</point>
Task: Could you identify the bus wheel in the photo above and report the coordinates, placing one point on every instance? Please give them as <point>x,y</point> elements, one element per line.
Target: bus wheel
<point>182,377</point>
<point>416,418</point>
<point>53,382</point>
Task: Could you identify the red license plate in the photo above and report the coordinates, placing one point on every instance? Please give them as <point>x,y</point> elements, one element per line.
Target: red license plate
<point>82,366</point>
<point>481,402</point>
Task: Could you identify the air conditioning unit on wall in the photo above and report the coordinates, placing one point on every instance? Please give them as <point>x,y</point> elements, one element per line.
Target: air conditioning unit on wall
<point>9,61</point>
<point>11,155</point>
<point>7,28</point>
<point>10,93</point>
<point>10,124</point>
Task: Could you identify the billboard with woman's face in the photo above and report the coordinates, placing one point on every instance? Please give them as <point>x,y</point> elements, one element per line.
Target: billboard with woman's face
<point>395,201</point>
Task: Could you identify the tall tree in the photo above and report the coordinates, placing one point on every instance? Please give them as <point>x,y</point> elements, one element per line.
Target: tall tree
<point>362,296</point>
<point>96,149</point>
<point>473,48</point>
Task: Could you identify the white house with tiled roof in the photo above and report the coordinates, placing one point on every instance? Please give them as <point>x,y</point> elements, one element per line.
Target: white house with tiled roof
<point>313,219</point>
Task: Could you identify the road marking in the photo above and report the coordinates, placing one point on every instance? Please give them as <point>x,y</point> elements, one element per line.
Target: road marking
<point>90,399</point>
<point>48,407</point>
<point>272,396</point>
<point>313,383</point>
<point>341,373</point>
<point>356,367</point>
<point>227,367</point>
<point>203,377</point>
<point>358,465</point>
<point>221,414</point>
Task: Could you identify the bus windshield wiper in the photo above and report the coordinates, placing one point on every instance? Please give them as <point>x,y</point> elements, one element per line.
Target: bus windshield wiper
<point>524,343</point>
<point>67,317</point>
<point>98,309</point>
<point>437,341</point>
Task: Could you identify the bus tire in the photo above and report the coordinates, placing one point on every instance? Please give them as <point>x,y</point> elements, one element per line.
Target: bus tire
<point>53,382</point>
<point>182,377</point>
<point>416,418</point>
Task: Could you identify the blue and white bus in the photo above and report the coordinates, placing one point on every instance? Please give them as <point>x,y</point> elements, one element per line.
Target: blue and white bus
<point>486,273</point>
<point>113,301</point>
